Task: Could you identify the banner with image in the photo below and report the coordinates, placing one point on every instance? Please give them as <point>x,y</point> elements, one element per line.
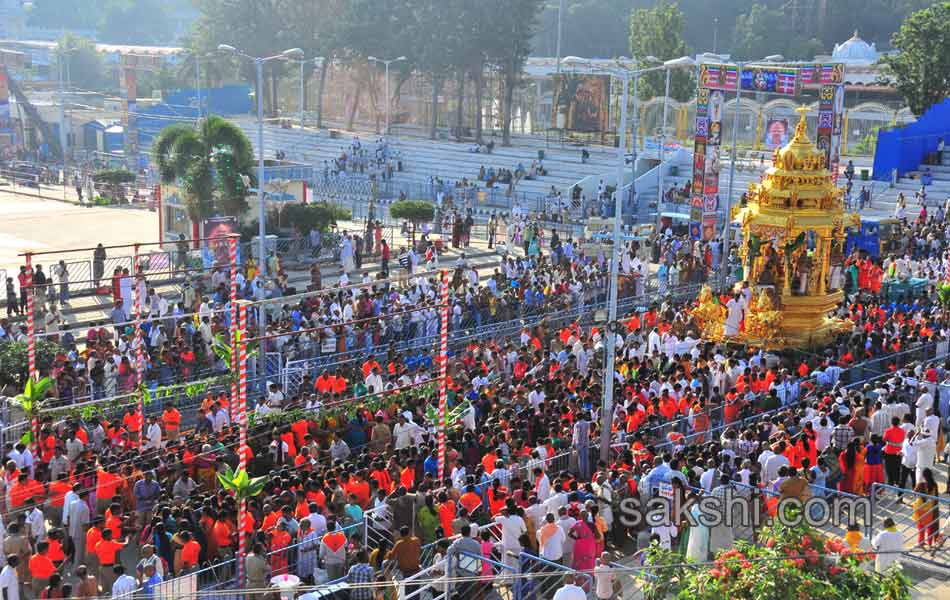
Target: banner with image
<point>700,146</point>
<point>710,191</point>
<point>718,77</point>
<point>775,80</point>
<point>581,103</point>
<point>776,133</point>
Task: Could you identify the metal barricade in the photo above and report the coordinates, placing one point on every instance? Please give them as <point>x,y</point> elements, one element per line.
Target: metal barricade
<point>920,519</point>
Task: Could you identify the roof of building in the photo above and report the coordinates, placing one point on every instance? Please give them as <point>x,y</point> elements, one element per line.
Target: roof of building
<point>855,50</point>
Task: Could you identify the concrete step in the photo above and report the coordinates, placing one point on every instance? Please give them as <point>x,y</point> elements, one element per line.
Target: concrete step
<point>933,588</point>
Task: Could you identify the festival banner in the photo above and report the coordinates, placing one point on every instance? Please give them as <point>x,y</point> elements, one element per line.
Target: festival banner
<point>710,190</point>
<point>581,103</point>
<point>826,118</point>
<point>699,158</point>
<point>775,80</point>
<point>821,74</point>
<point>718,77</point>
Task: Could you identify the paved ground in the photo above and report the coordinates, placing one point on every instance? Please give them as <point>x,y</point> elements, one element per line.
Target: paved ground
<point>37,224</point>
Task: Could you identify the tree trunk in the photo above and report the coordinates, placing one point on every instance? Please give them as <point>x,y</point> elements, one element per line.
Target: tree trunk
<point>320,88</point>
<point>434,123</point>
<point>479,78</point>
<point>356,102</point>
<point>461,104</point>
<point>507,101</point>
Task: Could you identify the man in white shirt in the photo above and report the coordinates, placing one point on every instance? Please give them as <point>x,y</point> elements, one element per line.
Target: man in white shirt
<point>887,544</point>
<point>124,585</point>
<point>605,581</point>
<point>551,539</point>
<point>402,432</point>
<point>774,463</point>
<point>9,584</point>
<point>570,591</point>
<point>512,527</point>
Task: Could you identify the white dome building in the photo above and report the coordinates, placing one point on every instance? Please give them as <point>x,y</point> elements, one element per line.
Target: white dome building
<point>855,51</point>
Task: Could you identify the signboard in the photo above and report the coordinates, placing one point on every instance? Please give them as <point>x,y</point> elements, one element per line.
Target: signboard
<point>581,102</point>
<point>145,62</point>
<point>821,74</point>
<point>775,80</point>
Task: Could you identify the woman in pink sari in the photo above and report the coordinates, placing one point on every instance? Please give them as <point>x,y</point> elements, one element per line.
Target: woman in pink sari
<point>585,544</point>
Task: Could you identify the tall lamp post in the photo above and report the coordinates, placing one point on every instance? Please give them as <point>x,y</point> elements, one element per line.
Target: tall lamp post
<point>291,54</point>
<point>675,63</point>
<point>726,217</point>
<point>624,73</point>
<point>302,80</point>
<point>63,61</point>
<point>387,63</point>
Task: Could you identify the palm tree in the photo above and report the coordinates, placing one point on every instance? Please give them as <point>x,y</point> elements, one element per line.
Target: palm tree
<point>207,163</point>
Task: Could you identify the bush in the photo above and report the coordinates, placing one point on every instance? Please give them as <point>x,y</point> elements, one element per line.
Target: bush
<point>414,211</point>
<point>319,216</point>
<point>788,562</point>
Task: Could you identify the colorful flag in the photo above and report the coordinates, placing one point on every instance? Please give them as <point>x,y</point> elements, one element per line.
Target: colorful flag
<point>786,84</point>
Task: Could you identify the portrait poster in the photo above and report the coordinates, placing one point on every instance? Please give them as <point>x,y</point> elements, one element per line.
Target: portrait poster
<point>215,233</point>
<point>776,133</point>
<point>581,103</point>
<point>718,77</point>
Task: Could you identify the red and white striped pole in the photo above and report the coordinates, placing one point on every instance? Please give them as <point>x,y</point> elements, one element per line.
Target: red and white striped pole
<point>443,370</point>
<point>232,405</point>
<point>31,341</point>
<point>139,350</point>
<point>30,319</point>
<point>242,428</point>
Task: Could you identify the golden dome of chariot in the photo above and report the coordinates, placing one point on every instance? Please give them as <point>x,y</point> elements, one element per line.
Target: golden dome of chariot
<point>800,154</point>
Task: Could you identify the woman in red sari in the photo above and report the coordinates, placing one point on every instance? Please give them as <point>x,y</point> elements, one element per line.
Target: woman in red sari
<point>116,290</point>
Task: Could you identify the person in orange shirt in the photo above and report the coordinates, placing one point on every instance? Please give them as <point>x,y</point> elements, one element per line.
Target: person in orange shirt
<point>41,566</point>
<point>57,496</point>
<point>56,552</point>
<point>488,461</point>
<point>132,421</point>
<point>171,422</point>
<point>447,512</point>
<point>107,551</point>
<point>407,477</point>
<point>222,531</point>
<point>20,491</point>
<point>189,554</point>
<point>279,541</point>
<point>107,486</point>
<point>470,500</point>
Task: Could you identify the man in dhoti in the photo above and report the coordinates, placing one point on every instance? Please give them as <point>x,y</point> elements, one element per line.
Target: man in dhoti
<point>347,257</point>
<point>734,310</point>
<point>125,290</point>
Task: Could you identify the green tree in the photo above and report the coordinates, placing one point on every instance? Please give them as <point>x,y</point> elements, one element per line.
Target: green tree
<point>658,31</point>
<point>145,22</point>
<point>207,163</point>
<point>414,211</point>
<point>921,68</point>
<point>65,14</point>
<point>31,403</point>
<point>317,215</point>
<point>764,31</point>
<point>509,44</point>
<point>83,63</point>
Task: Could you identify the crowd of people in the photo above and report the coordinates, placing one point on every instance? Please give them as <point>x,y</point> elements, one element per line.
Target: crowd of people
<point>692,417</point>
<point>350,453</point>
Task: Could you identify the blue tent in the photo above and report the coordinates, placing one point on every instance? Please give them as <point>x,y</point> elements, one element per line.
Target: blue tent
<point>904,148</point>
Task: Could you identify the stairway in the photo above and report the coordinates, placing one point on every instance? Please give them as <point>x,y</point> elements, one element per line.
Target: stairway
<point>933,588</point>
<point>52,141</point>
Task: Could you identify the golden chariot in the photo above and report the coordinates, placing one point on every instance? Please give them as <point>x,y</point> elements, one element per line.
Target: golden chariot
<point>792,223</point>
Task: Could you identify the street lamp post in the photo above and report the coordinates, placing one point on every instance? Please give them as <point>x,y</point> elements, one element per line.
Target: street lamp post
<point>387,63</point>
<point>624,73</point>
<point>726,217</point>
<point>259,68</point>
<point>302,63</point>
<point>198,83</point>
